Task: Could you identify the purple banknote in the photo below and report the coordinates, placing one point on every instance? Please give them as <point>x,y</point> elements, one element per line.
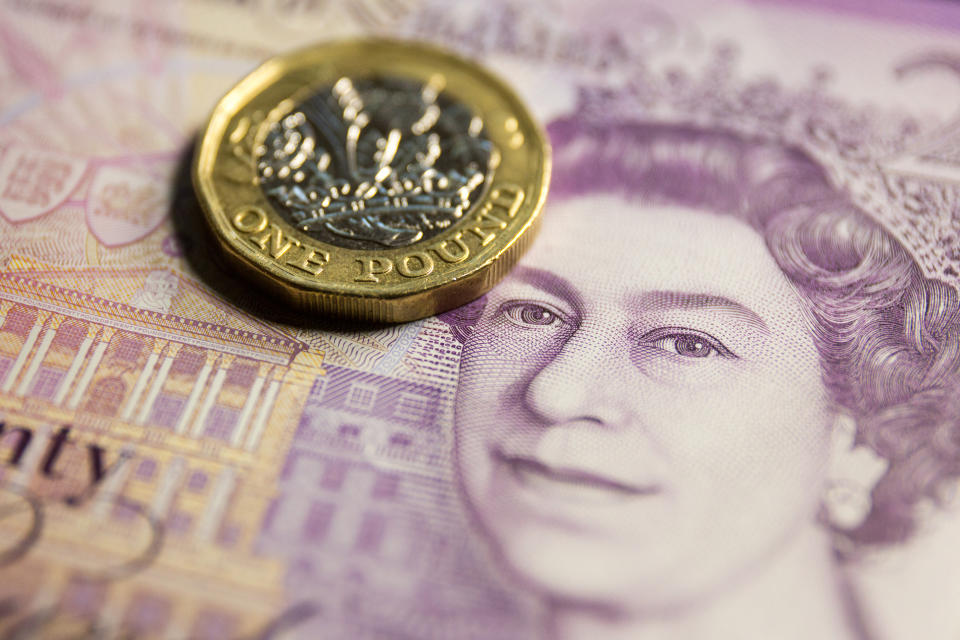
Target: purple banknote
<point>716,400</point>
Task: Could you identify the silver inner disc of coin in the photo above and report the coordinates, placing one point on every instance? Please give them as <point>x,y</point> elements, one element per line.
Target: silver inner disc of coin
<point>376,162</point>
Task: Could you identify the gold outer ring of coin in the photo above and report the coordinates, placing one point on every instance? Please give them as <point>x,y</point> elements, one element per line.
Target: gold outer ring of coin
<point>389,284</point>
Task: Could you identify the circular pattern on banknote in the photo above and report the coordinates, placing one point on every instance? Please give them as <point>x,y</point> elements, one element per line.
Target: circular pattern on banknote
<point>373,179</point>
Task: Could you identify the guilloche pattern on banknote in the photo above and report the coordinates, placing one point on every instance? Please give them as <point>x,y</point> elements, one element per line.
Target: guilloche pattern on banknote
<point>631,420</point>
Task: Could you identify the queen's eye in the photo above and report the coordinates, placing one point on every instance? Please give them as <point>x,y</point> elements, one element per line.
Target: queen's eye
<point>686,343</point>
<point>531,314</point>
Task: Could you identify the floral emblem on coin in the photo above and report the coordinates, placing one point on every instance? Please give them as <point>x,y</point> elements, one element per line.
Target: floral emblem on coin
<point>373,163</point>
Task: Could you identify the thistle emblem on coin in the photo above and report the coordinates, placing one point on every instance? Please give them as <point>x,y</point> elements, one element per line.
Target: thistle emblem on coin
<point>376,162</point>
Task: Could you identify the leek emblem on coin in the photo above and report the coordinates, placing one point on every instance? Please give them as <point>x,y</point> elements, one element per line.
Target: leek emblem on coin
<point>372,179</point>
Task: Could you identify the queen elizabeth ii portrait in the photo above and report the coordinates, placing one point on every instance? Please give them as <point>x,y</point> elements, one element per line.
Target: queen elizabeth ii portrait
<point>708,387</point>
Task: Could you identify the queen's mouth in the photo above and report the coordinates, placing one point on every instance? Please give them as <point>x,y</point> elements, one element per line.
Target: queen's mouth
<point>570,484</point>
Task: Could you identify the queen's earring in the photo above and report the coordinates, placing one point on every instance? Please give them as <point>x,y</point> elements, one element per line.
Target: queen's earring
<point>854,472</point>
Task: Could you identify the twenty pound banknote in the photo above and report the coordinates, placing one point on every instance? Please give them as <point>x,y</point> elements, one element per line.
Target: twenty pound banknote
<point>718,399</point>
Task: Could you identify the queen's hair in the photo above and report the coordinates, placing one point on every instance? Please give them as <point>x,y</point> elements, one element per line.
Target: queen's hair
<point>888,337</point>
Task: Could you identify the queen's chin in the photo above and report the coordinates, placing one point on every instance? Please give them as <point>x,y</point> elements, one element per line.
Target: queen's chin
<point>564,562</point>
<point>562,567</point>
<point>609,584</point>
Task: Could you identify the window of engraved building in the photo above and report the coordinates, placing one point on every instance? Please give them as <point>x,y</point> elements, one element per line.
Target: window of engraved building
<point>412,407</point>
<point>179,522</point>
<point>386,486</point>
<point>146,613</point>
<point>127,349</point>
<point>241,374</point>
<point>316,391</point>
<point>349,431</point>
<point>361,397</point>
<point>371,532</point>
<point>84,596</point>
<point>167,409</point>
<point>197,481</point>
<point>20,321</point>
<point>221,422</point>
<point>70,334</point>
<point>317,522</point>
<point>146,469</point>
<point>334,473</point>
<point>211,623</point>
<point>229,535</point>
<point>400,440</point>
<point>46,383</point>
<point>188,361</point>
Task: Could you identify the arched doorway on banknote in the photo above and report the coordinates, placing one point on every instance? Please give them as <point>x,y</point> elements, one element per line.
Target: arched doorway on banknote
<point>106,396</point>
<point>124,358</point>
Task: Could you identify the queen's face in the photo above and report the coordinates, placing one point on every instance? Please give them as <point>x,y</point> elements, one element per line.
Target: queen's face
<point>641,418</point>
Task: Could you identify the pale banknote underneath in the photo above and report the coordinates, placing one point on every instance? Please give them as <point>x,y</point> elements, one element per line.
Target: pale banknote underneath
<point>716,400</point>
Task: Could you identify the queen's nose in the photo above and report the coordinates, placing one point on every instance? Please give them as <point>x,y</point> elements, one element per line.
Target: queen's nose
<point>590,379</point>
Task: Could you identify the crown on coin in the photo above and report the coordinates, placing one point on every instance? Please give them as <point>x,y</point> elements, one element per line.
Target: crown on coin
<point>376,161</point>
<point>900,170</point>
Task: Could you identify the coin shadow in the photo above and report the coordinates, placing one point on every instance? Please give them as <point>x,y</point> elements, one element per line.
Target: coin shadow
<point>205,260</point>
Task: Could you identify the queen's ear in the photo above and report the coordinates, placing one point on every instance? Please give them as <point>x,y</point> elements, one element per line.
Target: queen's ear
<point>854,472</point>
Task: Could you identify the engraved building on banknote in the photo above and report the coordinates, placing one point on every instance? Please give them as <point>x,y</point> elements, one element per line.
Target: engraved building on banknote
<point>194,408</point>
<point>365,516</point>
<point>168,396</point>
